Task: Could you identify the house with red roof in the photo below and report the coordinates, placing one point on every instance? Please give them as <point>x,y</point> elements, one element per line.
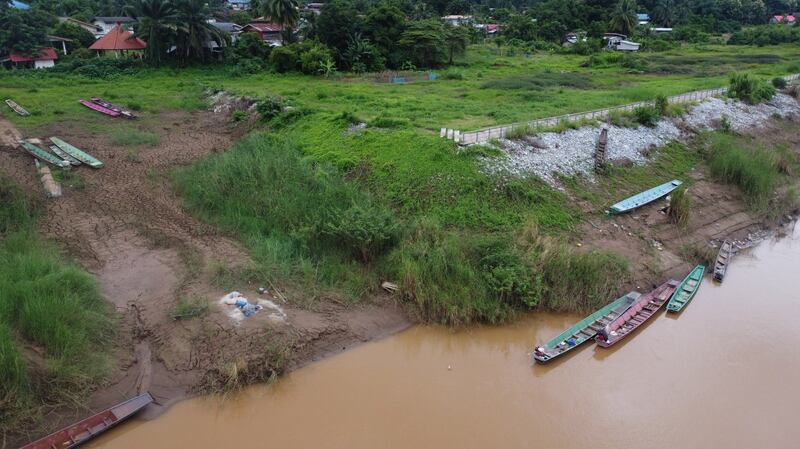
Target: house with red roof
<point>118,41</point>
<point>267,31</point>
<point>44,59</point>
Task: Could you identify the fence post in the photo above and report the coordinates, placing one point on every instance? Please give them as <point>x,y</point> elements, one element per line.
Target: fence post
<point>457,136</point>
<point>449,134</point>
<point>442,132</point>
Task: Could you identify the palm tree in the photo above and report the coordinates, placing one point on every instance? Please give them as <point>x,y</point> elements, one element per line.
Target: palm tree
<point>156,24</point>
<point>282,12</point>
<point>623,19</point>
<point>664,13</point>
<point>193,31</point>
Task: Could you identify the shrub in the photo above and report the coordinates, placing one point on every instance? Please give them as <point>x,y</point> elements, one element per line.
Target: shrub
<point>244,67</point>
<point>388,122</point>
<point>662,104</point>
<point>284,59</point>
<point>270,107</point>
<point>646,115</point>
<point>313,58</point>
<point>747,88</point>
<point>506,274</point>
<point>680,205</point>
<point>779,82</point>
<point>453,75</point>
<point>365,230</point>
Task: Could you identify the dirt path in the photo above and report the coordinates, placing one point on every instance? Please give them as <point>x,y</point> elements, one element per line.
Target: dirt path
<point>126,227</point>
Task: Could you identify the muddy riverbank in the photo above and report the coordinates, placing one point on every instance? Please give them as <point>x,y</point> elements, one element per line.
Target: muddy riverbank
<point>715,375</point>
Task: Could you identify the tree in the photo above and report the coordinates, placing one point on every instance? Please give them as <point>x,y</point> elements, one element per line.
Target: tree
<point>156,25</point>
<point>456,39</point>
<point>336,24</point>
<point>664,13</point>
<point>21,31</point>
<point>384,26</point>
<point>362,56</point>
<point>194,31</point>
<point>424,43</point>
<point>520,27</point>
<point>282,12</point>
<point>80,37</point>
<point>240,17</point>
<point>623,19</point>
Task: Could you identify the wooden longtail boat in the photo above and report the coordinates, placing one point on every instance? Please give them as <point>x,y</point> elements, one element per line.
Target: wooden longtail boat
<point>646,197</point>
<point>107,105</point>
<point>723,258</point>
<point>685,292</point>
<point>60,153</point>
<point>77,153</point>
<point>640,311</point>
<point>41,154</point>
<point>92,426</point>
<point>17,108</point>
<point>583,330</point>
<point>98,108</point>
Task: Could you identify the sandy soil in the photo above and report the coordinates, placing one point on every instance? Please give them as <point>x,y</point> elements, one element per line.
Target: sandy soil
<point>128,229</point>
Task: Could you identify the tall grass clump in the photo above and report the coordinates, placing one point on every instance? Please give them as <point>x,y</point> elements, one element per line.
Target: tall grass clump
<point>752,170</point>
<point>749,89</point>
<point>680,206</point>
<point>49,305</point>
<point>297,216</point>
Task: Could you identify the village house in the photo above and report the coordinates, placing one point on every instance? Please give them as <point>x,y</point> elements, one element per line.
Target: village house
<point>106,24</point>
<point>56,41</point>
<point>789,19</point>
<point>239,5</point>
<point>643,18</point>
<point>267,31</point>
<point>489,29</point>
<point>118,41</point>
<point>314,8</point>
<point>90,27</point>
<point>45,59</point>
<point>458,20</point>
<point>230,29</point>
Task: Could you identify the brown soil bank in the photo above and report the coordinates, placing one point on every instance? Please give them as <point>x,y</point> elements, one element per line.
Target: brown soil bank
<point>124,225</point>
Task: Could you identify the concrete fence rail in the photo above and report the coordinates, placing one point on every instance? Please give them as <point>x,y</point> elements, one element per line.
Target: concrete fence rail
<point>498,132</point>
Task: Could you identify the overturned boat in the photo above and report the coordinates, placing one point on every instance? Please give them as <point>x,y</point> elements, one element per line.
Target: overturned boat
<point>646,197</point>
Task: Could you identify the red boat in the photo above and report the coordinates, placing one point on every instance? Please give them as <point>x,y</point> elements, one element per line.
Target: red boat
<point>107,105</point>
<point>98,108</point>
<point>639,312</point>
<point>92,426</point>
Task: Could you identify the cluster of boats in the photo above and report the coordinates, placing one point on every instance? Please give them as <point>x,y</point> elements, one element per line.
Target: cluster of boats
<point>95,104</point>
<point>62,154</point>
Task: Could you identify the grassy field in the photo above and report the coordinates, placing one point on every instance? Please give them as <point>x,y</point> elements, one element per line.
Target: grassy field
<point>53,322</point>
<point>339,208</point>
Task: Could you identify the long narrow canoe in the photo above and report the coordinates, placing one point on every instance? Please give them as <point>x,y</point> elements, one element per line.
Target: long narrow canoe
<point>17,108</point>
<point>77,153</point>
<point>642,310</point>
<point>41,154</point>
<point>583,330</point>
<point>685,292</point>
<point>646,197</point>
<point>723,259</point>
<point>107,105</point>
<point>98,108</point>
<point>60,153</point>
<point>83,431</point>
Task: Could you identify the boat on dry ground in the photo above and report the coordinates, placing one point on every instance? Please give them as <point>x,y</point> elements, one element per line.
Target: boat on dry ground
<point>77,153</point>
<point>723,259</point>
<point>85,430</point>
<point>41,154</point>
<point>584,329</point>
<point>17,108</point>
<point>640,311</point>
<point>686,291</point>
<point>111,106</point>
<point>98,108</point>
<point>63,155</point>
<point>646,197</point>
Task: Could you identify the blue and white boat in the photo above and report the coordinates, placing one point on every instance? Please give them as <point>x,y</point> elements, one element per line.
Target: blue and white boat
<point>646,197</point>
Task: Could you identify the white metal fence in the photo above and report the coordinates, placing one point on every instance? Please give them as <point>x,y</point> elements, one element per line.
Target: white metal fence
<point>497,132</point>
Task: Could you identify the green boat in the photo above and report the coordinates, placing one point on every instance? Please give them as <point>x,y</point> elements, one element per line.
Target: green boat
<point>584,329</point>
<point>77,153</point>
<point>686,290</point>
<point>42,155</point>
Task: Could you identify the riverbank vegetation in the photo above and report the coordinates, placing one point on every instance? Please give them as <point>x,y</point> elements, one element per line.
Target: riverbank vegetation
<point>55,328</point>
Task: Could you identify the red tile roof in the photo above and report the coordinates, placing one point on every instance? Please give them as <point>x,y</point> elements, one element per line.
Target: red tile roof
<point>117,39</point>
<point>264,26</point>
<point>45,54</point>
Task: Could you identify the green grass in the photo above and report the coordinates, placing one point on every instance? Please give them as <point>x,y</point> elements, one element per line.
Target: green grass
<point>50,311</point>
<point>736,160</point>
<point>190,307</point>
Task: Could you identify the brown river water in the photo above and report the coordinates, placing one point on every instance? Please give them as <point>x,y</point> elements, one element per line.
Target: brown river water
<point>723,373</point>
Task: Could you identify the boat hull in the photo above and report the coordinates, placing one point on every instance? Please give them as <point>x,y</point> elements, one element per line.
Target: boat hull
<point>77,153</point>
<point>583,330</point>
<point>723,259</point>
<point>98,108</point>
<point>17,108</point>
<point>639,313</point>
<point>85,430</point>
<point>42,155</point>
<point>686,290</point>
<point>644,198</point>
<point>111,106</point>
